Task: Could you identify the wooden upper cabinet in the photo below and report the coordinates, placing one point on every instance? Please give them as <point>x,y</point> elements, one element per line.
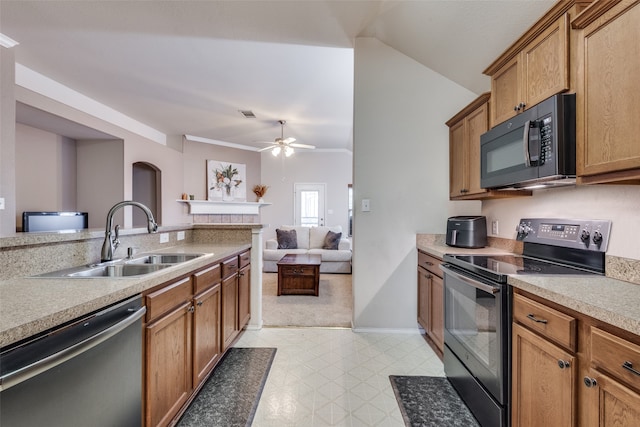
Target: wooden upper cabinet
<point>545,63</point>
<point>608,111</point>
<point>465,129</point>
<point>537,72</point>
<point>506,91</point>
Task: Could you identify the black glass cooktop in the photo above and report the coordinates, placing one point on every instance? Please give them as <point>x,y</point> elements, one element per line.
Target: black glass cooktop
<point>497,267</point>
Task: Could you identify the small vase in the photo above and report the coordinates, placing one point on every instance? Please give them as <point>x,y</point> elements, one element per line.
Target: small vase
<point>227,194</point>
<point>260,200</point>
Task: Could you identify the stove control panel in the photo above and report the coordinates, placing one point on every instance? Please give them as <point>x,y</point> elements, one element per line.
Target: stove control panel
<point>571,233</point>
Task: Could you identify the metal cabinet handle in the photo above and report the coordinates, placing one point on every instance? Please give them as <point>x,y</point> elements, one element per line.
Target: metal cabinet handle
<point>241,274</point>
<point>535,319</point>
<point>563,364</point>
<point>199,303</point>
<point>191,309</point>
<point>590,382</point>
<point>629,367</point>
<point>428,263</point>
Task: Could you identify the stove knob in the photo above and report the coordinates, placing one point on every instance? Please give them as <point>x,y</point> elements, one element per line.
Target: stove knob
<point>597,238</point>
<point>584,236</point>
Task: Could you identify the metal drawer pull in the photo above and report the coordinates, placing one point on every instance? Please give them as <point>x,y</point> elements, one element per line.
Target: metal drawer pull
<point>535,319</point>
<point>629,367</point>
<point>590,382</point>
<point>428,263</point>
<point>563,364</point>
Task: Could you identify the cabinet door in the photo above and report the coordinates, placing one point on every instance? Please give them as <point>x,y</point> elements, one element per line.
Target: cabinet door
<point>206,333</point>
<point>457,160</point>
<point>477,124</point>
<point>545,64</point>
<point>436,311</point>
<point>229,310</point>
<point>168,365</point>
<point>244,296</point>
<point>610,402</point>
<point>609,49</point>
<point>543,387</point>
<point>423,298</point>
<point>505,91</point>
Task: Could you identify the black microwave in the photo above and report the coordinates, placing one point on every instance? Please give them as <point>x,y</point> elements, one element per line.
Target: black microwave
<point>536,148</point>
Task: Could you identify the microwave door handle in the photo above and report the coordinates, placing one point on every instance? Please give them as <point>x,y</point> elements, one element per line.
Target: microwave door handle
<point>525,141</point>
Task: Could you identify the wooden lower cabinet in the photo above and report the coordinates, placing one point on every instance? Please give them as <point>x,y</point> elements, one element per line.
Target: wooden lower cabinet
<point>206,333</point>
<point>597,384</point>
<point>431,300</point>
<point>611,403</point>
<point>244,296</point>
<point>168,365</point>
<point>190,323</point>
<point>229,311</point>
<point>543,381</point>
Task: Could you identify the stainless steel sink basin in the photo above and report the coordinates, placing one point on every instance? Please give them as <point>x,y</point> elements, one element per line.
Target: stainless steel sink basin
<point>163,259</point>
<point>118,270</point>
<point>145,264</point>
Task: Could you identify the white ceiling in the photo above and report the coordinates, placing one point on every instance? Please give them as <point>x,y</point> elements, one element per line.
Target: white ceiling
<point>187,67</point>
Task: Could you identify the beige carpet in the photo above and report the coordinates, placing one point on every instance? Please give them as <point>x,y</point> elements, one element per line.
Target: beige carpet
<point>333,307</point>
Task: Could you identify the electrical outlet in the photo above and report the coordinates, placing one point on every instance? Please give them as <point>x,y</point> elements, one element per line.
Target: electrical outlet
<point>180,235</point>
<point>1,203</point>
<point>164,237</point>
<point>366,207</point>
<point>494,227</point>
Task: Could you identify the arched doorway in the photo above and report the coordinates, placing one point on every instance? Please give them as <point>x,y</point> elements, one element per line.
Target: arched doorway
<point>147,190</point>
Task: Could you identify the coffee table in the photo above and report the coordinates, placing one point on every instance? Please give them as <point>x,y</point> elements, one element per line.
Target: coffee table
<point>299,274</point>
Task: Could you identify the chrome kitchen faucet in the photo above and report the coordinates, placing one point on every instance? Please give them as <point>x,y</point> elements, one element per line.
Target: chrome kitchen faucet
<point>110,245</point>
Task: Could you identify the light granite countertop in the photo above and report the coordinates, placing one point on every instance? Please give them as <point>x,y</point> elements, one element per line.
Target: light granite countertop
<point>31,305</point>
<point>603,298</point>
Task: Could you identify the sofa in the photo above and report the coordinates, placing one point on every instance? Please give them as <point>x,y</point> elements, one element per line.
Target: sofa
<point>310,240</point>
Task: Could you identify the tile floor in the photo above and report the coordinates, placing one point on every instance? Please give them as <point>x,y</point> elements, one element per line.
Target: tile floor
<point>336,377</point>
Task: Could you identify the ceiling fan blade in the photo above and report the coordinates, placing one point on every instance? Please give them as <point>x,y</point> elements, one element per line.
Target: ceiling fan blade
<point>268,148</point>
<point>303,146</point>
<point>288,140</point>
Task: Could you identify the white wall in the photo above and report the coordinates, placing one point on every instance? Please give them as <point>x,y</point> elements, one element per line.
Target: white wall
<point>332,168</point>
<point>401,152</point>
<point>7,141</point>
<point>45,172</point>
<point>618,203</point>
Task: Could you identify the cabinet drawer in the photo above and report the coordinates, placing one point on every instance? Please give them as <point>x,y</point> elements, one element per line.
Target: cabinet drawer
<point>550,323</point>
<point>616,355</point>
<point>163,300</point>
<point>245,259</point>
<point>205,278</point>
<point>298,270</point>
<point>430,263</point>
<point>229,267</point>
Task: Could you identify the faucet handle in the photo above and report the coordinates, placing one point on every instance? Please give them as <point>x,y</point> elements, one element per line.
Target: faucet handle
<point>116,240</point>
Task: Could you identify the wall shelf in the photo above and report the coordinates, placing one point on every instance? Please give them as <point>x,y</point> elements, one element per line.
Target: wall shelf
<point>219,207</point>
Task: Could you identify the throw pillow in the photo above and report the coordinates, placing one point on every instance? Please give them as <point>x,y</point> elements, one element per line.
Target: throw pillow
<point>332,240</point>
<point>287,239</point>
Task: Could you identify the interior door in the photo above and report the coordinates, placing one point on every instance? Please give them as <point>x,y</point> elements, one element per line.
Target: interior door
<point>309,204</point>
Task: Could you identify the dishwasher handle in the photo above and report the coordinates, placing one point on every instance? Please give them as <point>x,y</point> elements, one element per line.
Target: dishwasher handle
<point>20,375</point>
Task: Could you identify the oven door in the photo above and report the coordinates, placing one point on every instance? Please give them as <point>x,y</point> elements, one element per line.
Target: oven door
<point>477,323</point>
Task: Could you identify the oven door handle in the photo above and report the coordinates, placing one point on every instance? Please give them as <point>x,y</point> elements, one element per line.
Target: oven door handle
<point>476,284</point>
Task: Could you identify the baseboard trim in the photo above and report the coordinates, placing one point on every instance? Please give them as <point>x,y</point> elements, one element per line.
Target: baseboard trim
<point>406,331</point>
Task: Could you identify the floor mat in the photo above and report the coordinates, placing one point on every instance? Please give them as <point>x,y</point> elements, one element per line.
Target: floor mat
<point>231,394</point>
<point>430,401</point>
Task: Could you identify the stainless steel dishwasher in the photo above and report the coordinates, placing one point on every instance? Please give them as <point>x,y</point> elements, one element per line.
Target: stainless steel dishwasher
<point>85,373</point>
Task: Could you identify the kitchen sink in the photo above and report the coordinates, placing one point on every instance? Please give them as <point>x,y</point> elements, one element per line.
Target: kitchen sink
<point>145,264</point>
<point>119,270</point>
<point>163,259</point>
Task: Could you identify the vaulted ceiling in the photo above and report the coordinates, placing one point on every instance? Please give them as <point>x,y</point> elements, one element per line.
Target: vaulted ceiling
<point>188,67</point>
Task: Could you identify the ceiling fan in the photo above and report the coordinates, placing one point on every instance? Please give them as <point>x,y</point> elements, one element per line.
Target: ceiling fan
<point>283,144</point>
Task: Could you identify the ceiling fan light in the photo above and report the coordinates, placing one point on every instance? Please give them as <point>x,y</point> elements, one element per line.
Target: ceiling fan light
<point>275,151</point>
<point>288,151</point>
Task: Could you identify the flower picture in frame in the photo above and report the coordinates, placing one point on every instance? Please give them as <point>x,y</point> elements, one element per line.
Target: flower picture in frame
<point>226,181</point>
